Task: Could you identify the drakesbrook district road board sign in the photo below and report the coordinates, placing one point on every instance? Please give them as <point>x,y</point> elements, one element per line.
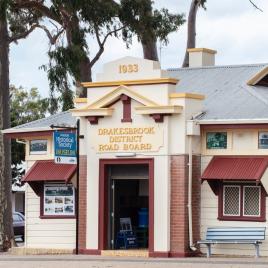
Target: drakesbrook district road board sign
<point>65,148</point>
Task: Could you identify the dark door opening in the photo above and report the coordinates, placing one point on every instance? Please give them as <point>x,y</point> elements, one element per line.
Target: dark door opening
<point>128,202</point>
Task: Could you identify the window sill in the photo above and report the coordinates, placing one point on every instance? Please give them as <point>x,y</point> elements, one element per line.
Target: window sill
<point>57,217</point>
<point>234,218</point>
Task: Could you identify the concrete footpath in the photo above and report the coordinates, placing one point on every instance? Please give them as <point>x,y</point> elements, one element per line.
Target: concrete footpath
<point>83,261</point>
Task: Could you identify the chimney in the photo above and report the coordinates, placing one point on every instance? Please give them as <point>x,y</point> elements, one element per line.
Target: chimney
<point>199,57</point>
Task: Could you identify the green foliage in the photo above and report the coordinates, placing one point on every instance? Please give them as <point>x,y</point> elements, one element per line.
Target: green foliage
<point>26,106</point>
<point>69,61</point>
<point>148,23</point>
<point>3,8</point>
<point>202,4</point>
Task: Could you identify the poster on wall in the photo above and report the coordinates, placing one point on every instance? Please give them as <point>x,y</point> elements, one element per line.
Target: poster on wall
<point>59,200</point>
<point>38,146</point>
<point>263,140</point>
<point>216,140</point>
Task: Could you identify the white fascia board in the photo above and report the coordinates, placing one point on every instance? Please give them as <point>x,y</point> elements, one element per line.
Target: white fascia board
<point>19,130</point>
<point>232,121</point>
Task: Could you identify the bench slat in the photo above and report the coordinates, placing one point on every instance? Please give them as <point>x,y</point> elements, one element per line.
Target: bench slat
<point>229,242</point>
<point>227,233</point>
<point>234,237</point>
<point>241,229</point>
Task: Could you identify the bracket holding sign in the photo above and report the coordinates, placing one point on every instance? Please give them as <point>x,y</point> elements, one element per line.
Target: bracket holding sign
<point>65,147</point>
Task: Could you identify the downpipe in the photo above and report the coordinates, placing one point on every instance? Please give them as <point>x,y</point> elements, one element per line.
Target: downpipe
<point>190,184</point>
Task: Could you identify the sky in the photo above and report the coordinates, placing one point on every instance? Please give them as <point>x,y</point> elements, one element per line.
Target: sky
<point>234,28</point>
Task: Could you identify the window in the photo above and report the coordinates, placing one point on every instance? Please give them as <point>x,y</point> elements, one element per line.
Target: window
<point>58,201</point>
<point>38,146</point>
<point>263,140</point>
<point>242,202</point>
<point>216,140</point>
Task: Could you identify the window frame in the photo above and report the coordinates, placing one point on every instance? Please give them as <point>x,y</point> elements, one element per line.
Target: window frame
<point>38,152</point>
<point>223,201</point>
<point>252,186</point>
<point>241,217</point>
<point>42,200</point>
<point>259,139</point>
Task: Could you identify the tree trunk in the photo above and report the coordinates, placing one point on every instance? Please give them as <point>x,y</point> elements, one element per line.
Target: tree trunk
<point>85,73</point>
<point>191,30</point>
<point>6,224</point>
<point>148,39</point>
<point>149,49</point>
<point>85,76</point>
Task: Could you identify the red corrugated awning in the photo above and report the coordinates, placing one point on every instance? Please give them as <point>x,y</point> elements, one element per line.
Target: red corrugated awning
<point>235,168</point>
<point>47,170</point>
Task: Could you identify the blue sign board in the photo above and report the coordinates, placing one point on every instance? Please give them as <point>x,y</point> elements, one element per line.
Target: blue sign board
<point>65,147</point>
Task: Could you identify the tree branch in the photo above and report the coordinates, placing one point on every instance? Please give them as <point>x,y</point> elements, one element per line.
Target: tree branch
<point>52,38</point>
<point>23,35</point>
<point>101,43</point>
<point>45,11</point>
<point>255,5</point>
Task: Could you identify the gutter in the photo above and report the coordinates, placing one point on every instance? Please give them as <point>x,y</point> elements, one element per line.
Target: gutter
<point>36,129</point>
<point>19,130</point>
<point>232,121</point>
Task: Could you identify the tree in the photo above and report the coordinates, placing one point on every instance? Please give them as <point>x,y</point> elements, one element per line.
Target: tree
<point>13,26</point>
<point>148,24</point>
<point>74,22</point>
<point>5,183</point>
<point>26,106</point>
<point>69,53</point>
<point>191,28</point>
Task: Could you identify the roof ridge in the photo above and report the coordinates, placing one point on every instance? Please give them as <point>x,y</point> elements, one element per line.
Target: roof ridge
<point>219,66</point>
<point>255,94</point>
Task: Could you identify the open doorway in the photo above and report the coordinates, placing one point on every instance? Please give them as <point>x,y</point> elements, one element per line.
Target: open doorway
<point>128,206</point>
<point>127,192</point>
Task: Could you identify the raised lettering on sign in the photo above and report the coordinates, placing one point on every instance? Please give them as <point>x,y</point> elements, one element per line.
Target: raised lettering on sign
<point>128,68</point>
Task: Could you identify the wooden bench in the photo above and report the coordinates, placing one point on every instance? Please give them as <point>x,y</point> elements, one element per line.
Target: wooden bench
<point>234,235</point>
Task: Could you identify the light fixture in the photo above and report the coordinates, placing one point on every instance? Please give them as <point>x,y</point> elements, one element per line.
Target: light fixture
<point>125,154</point>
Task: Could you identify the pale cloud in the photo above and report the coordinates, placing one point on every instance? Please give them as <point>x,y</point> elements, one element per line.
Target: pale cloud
<point>233,27</point>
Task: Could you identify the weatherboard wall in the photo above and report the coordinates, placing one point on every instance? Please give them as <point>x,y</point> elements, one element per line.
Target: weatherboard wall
<point>46,233</point>
<point>242,141</point>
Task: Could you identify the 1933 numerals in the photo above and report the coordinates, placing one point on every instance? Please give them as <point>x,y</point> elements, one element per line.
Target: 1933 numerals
<point>130,68</point>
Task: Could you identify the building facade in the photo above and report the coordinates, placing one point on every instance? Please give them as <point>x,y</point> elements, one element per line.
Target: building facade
<point>172,152</point>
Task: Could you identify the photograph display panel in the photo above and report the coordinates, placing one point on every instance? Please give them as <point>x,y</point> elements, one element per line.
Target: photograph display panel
<point>59,200</point>
<point>263,140</point>
<point>38,146</point>
<point>216,140</point>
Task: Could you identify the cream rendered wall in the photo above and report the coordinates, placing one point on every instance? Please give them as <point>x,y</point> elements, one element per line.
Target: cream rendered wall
<point>239,142</point>
<point>161,179</point>
<point>199,59</point>
<point>34,157</point>
<point>178,140</point>
<point>174,141</point>
<point>45,233</point>
<point>147,69</point>
<point>156,93</point>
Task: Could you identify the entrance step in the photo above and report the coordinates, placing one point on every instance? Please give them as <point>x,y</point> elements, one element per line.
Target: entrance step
<point>126,253</point>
